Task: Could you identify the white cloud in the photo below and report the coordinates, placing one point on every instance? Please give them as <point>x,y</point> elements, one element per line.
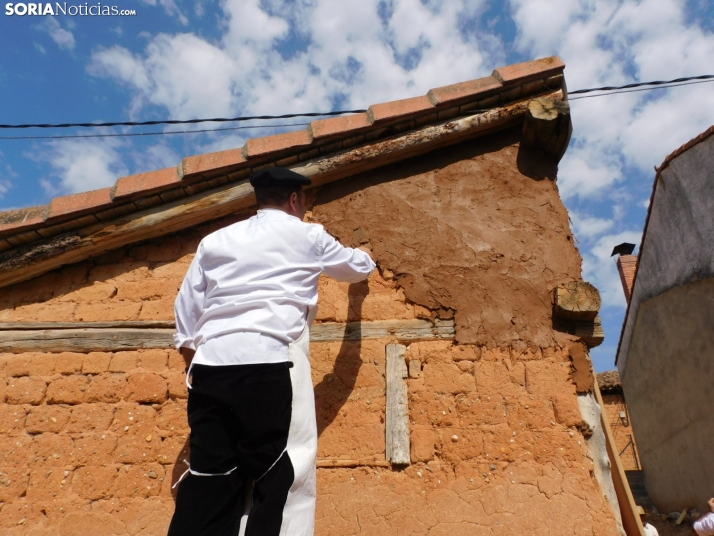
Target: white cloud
<point>63,38</point>
<point>617,42</point>
<point>4,187</point>
<point>187,75</point>
<point>587,227</point>
<point>170,7</point>
<point>358,53</point>
<point>157,156</point>
<point>84,164</point>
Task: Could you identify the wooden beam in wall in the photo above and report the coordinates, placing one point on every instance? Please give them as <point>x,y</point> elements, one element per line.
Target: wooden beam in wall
<point>547,126</point>
<point>397,418</point>
<point>576,300</point>
<point>40,257</point>
<point>117,336</point>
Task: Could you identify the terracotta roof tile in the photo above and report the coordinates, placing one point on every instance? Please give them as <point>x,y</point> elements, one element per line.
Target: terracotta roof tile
<point>691,143</point>
<point>145,182</point>
<point>609,380</point>
<point>334,126</point>
<point>75,203</point>
<point>389,111</point>
<point>276,143</point>
<point>456,93</point>
<point>17,220</point>
<point>333,134</point>
<point>526,71</point>
<point>213,162</point>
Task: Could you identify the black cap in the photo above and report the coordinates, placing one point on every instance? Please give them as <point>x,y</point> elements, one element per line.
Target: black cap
<point>278,176</point>
<point>623,249</point>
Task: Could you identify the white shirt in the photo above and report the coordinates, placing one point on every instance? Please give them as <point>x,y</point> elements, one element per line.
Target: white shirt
<point>650,530</point>
<point>704,526</point>
<point>246,294</point>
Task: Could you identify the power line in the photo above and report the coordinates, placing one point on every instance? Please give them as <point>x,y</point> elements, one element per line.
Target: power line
<point>639,84</point>
<point>606,90</point>
<point>641,89</point>
<point>181,122</point>
<point>133,134</point>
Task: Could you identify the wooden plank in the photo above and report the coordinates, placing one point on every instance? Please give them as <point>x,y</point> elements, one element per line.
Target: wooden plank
<point>397,418</point>
<point>628,507</point>
<point>84,340</point>
<point>401,330</point>
<point>140,324</point>
<point>117,336</point>
<point>44,255</point>
<point>591,333</point>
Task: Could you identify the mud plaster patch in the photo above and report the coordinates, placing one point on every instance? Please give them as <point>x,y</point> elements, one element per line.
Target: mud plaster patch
<point>462,228</point>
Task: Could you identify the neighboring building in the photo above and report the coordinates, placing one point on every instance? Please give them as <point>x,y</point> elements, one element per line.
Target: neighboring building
<point>455,194</point>
<point>666,352</point>
<point>618,417</point>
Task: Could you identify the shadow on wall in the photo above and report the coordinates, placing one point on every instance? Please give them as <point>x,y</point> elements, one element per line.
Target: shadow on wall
<point>335,388</point>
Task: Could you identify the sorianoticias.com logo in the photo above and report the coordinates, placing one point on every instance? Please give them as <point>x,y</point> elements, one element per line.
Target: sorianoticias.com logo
<point>96,10</point>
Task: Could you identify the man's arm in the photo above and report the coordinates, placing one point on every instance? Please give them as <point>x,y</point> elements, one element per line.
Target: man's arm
<point>345,264</point>
<point>189,307</point>
<point>704,526</point>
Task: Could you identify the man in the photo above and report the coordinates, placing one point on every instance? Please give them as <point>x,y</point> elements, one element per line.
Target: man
<point>242,324</point>
<point>649,529</point>
<point>704,526</point>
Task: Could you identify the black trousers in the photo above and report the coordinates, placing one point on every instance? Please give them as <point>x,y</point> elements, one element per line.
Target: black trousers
<point>240,418</point>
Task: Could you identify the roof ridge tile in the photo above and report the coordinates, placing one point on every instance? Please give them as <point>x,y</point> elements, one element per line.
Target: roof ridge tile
<point>463,91</point>
<point>276,143</point>
<point>528,70</point>
<point>216,162</point>
<point>395,110</point>
<point>79,202</point>
<point>144,183</point>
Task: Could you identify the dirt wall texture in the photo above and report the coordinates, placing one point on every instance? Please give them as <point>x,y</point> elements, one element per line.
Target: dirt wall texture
<point>465,230</point>
<point>92,443</point>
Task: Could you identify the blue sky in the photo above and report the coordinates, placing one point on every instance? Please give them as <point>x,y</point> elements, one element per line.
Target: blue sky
<point>185,59</point>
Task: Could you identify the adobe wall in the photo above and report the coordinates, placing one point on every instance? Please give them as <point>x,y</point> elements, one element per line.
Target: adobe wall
<point>92,443</point>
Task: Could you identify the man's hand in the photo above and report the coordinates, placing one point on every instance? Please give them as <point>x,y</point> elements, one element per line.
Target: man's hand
<point>367,251</point>
<point>187,355</point>
<point>711,504</point>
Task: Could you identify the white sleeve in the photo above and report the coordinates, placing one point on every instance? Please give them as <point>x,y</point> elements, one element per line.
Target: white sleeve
<point>189,303</point>
<point>344,264</point>
<point>704,526</point>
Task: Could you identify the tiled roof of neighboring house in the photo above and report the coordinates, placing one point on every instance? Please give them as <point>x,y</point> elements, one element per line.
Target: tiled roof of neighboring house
<point>691,143</point>
<point>608,381</point>
<point>197,173</point>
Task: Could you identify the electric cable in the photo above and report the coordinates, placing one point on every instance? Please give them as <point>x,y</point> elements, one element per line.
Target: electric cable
<point>603,91</point>
<point>154,133</point>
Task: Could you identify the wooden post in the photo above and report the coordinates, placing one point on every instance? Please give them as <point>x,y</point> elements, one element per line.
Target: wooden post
<point>397,406</point>
<point>547,127</point>
<point>576,300</point>
<point>628,508</point>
